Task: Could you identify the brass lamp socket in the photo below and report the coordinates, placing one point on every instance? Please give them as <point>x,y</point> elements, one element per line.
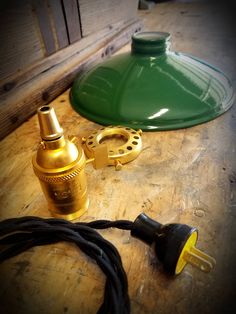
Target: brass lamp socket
<point>59,165</point>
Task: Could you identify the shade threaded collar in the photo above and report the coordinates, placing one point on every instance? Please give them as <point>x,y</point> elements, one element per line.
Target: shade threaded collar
<point>152,43</point>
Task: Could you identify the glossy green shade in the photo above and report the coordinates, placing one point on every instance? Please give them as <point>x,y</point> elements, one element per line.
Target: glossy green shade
<point>152,88</point>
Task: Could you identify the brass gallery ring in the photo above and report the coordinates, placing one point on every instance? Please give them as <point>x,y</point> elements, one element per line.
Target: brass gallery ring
<point>117,156</point>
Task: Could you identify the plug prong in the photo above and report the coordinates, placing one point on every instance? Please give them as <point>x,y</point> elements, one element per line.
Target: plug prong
<point>199,259</point>
<point>203,255</point>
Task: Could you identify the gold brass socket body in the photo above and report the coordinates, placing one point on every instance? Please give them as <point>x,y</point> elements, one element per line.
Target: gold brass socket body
<point>59,165</point>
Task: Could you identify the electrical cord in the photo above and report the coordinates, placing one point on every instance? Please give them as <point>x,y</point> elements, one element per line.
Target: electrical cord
<point>20,234</point>
<point>174,246</point>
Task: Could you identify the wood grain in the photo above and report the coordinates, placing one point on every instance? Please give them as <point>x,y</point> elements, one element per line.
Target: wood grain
<point>22,50</point>
<point>17,52</point>
<point>42,12</point>
<point>95,15</point>
<point>186,176</point>
<point>43,65</point>
<point>72,20</point>
<point>59,22</point>
<point>24,100</point>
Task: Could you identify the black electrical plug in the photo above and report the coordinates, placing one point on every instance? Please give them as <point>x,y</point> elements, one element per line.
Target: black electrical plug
<point>174,244</point>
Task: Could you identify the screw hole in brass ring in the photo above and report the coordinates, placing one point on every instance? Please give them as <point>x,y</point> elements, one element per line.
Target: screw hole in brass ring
<point>126,152</point>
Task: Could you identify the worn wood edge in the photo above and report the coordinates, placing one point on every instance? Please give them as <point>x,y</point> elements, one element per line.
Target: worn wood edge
<point>100,37</point>
<point>47,85</point>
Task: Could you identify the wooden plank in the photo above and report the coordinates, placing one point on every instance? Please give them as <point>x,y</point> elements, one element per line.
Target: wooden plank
<point>25,74</point>
<point>59,23</point>
<point>103,12</point>
<point>183,176</point>
<point>47,85</point>
<point>20,42</point>
<point>72,20</point>
<point>41,10</point>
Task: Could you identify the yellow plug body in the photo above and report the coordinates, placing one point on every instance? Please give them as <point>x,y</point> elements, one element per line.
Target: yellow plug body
<point>190,254</point>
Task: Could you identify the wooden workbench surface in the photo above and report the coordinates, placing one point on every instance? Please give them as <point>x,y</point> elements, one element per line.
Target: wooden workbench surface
<point>186,176</point>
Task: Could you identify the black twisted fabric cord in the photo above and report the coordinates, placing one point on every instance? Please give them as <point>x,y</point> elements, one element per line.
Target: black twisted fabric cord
<point>19,234</point>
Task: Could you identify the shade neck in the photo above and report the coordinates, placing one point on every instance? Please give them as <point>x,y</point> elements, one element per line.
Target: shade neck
<point>150,43</point>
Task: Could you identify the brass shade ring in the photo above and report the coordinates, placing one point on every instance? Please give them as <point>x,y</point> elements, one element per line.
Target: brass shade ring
<point>117,155</point>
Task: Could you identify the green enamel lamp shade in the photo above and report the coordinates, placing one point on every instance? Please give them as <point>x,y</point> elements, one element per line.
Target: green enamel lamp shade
<point>152,88</point>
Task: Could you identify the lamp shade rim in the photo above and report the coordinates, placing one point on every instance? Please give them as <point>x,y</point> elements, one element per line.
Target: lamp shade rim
<point>153,92</point>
